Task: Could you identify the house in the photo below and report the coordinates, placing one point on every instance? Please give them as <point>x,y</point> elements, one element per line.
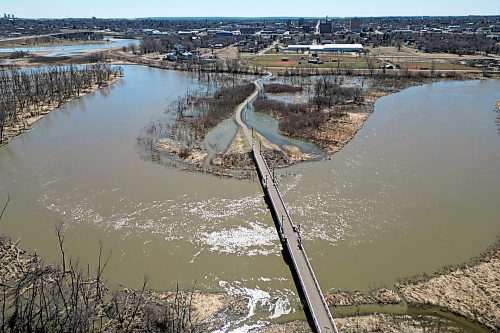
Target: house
<point>206,60</point>
<point>178,47</point>
<point>186,56</point>
<point>170,57</point>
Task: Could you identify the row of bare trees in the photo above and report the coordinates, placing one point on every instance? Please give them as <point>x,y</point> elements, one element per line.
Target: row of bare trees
<point>327,93</point>
<point>293,117</point>
<point>219,106</point>
<point>65,298</point>
<point>27,93</point>
<point>326,101</point>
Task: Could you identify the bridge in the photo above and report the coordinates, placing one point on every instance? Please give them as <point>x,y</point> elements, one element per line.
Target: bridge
<point>289,234</point>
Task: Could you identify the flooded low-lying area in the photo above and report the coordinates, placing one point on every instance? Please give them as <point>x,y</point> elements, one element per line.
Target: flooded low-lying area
<point>416,189</point>
<point>269,127</point>
<point>71,50</point>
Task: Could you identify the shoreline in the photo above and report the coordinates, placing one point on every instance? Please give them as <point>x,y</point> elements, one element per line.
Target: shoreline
<point>10,132</point>
<point>205,310</point>
<point>338,131</point>
<point>215,310</point>
<point>468,290</point>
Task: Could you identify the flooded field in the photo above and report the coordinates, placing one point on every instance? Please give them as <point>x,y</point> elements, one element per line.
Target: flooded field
<point>416,189</point>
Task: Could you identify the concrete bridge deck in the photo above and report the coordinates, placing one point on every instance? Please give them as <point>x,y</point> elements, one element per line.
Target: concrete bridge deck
<point>307,284</point>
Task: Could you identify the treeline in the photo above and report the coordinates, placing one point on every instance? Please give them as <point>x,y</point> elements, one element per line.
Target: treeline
<point>218,66</point>
<point>35,297</point>
<point>28,93</point>
<point>221,105</point>
<point>327,93</point>
<point>278,88</point>
<point>460,44</point>
<point>293,118</point>
<point>326,101</point>
<point>166,43</point>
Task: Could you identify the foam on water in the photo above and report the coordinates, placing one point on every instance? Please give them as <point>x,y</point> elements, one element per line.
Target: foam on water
<point>222,225</point>
<point>256,239</point>
<point>273,303</point>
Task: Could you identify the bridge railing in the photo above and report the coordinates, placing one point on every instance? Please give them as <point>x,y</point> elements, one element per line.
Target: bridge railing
<point>316,283</point>
<point>257,152</point>
<point>306,258</point>
<point>304,289</point>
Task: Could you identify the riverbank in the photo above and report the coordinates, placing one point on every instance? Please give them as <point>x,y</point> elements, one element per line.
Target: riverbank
<point>166,189</point>
<point>469,290</point>
<point>24,275</point>
<point>29,42</point>
<point>339,124</point>
<point>342,120</point>
<point>331,135</point>
<point>376,323</point>
<point>33,113</point>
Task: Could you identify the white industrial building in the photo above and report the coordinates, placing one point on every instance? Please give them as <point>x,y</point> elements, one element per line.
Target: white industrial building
<point>324,48</point>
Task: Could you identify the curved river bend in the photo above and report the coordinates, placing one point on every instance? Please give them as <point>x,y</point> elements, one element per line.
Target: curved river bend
<point>416,189</point>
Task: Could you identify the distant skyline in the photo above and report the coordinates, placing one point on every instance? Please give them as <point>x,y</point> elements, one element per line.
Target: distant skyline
<point>254,8</point>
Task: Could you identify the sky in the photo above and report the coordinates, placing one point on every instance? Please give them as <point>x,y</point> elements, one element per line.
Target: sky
<point>244,8</point>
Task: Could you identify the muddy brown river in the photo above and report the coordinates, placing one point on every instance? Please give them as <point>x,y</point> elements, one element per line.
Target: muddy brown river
<point>417,188</point>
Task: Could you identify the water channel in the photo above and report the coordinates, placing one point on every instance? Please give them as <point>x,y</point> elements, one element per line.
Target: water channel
<point>416,189</point>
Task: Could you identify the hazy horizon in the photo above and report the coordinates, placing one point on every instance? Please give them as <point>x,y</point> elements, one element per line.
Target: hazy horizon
<point>128,9</point>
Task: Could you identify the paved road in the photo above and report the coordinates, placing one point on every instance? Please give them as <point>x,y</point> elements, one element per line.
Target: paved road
<point>289,234</point>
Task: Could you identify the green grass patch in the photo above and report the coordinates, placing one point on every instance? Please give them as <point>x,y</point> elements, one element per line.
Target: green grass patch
<point>329,61</point>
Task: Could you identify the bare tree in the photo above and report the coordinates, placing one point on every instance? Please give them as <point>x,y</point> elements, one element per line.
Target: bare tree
<point>26,93</point>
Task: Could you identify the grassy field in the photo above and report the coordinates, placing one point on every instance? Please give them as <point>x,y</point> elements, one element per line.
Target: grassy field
<point>299,60</point>
<point>347,62</point>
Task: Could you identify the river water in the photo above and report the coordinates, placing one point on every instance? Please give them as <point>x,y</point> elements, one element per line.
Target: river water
<point>416,189</point>
<point>71,50</point>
